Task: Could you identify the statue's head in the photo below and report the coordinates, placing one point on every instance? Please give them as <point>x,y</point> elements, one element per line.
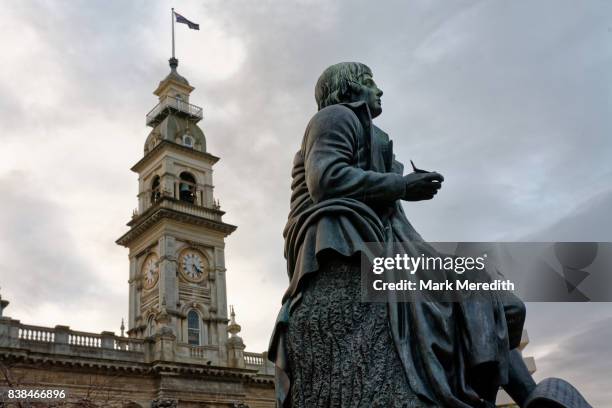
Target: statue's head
<point>348,82</point>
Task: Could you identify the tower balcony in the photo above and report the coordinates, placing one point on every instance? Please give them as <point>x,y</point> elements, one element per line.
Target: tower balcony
<point>171,104</point>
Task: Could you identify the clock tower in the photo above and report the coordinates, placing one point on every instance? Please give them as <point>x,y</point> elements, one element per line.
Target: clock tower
<point>176,236</point>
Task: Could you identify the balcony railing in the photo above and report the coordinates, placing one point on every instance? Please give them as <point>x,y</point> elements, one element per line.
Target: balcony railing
<point>36,333</point>
<point>259,362</point>
<point>158,113</point>
<point>15,334</point>
<point>192,209</point>
<point>253,359</point>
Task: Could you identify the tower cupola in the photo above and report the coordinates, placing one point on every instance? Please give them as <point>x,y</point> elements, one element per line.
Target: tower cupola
<point>173,118</point>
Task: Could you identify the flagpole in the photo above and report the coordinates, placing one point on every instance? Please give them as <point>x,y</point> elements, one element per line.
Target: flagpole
<point>173,32</point>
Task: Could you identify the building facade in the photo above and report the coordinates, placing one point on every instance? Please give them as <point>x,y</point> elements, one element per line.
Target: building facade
<point>181,348</point>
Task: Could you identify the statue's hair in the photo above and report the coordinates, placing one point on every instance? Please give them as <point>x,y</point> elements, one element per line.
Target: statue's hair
<point>333,85</point>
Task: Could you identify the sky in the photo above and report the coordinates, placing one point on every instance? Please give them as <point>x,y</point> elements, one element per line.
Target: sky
<point>510,101</point>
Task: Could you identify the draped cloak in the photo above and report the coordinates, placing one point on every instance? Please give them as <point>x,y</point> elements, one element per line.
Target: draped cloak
<point>346,192</point>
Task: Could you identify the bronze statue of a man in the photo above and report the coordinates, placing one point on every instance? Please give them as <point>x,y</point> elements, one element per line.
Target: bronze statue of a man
<point>331,349</point>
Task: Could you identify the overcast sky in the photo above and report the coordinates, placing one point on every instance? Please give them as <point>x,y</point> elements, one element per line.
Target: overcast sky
<point>509,100</point>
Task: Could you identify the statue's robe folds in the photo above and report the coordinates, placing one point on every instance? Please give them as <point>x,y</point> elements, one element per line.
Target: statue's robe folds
<point>346,192</point>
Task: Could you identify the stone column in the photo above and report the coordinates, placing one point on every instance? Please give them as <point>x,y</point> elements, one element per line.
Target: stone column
<point>219,329</point>
<point>168,178</point>
<point>207,189</point>
<point>142,202</point>
<point>220,288</point>
<point>133,307</point>
<point>168,288</point>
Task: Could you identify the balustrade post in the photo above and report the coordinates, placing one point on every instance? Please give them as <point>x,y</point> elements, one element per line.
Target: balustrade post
<point>235,351</point>
<point>164,344</point>
<point>108,340</point>
<point>61,339</point>
<point>268,366</point>
<point>61,334</point>
<point>9,332</point>
<point>4,331</point>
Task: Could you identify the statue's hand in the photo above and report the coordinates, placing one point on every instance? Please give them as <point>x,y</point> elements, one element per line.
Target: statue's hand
<point>422,185</point>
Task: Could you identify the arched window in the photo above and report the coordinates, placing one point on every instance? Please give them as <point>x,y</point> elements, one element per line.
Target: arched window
<point>155,190</point>
<point>193,328</point>
<point>187,141</point>
<point>150,326</point>
<point>187,187</point>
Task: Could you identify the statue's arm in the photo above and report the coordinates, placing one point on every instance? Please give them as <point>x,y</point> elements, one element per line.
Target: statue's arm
<point>331,145</point>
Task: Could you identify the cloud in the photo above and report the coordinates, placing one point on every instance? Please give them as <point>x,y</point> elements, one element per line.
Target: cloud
<point>42,269</point>
<point>583,358</point>
<point>587,221</point>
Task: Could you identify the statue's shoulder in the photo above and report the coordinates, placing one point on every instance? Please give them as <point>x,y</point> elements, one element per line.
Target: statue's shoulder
<point>338,115</point>
<point>343,122</point>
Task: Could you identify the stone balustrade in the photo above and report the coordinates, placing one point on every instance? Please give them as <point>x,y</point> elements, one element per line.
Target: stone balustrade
<point>200,352</point>
<point>84,339</point>
<point>124,343</point>
<point>193,209</point>
<point>35,333</point>
<point>259,362</point>
<point>254,359</point>
<point>63,340</point>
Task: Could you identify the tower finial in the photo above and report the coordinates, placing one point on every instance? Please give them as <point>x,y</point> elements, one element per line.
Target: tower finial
<point>233,327</point>
<point>122,328</point>
<point>173,64</point>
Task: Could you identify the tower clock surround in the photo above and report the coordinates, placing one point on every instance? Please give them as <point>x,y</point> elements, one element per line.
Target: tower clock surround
<point>193,265</point>
<point>150,271</point>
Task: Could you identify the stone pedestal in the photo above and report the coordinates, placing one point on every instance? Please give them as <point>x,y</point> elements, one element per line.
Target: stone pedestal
<point>163,348</point>
<point>235,352</point>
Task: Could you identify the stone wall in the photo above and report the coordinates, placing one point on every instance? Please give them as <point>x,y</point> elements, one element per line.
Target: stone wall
<point>104,370</point>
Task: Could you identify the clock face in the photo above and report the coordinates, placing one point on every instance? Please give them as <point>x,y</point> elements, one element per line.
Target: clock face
<point>193,265</point>
<point>150,271</point>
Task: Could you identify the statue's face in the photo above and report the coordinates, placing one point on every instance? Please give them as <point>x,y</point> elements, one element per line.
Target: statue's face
<point>368,91</point>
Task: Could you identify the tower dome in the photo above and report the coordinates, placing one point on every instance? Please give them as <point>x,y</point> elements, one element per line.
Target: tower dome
<point>174,75</point>
<point>177,130</point>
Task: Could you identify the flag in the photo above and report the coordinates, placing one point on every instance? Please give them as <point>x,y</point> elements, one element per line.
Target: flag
<point>181,19</point>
